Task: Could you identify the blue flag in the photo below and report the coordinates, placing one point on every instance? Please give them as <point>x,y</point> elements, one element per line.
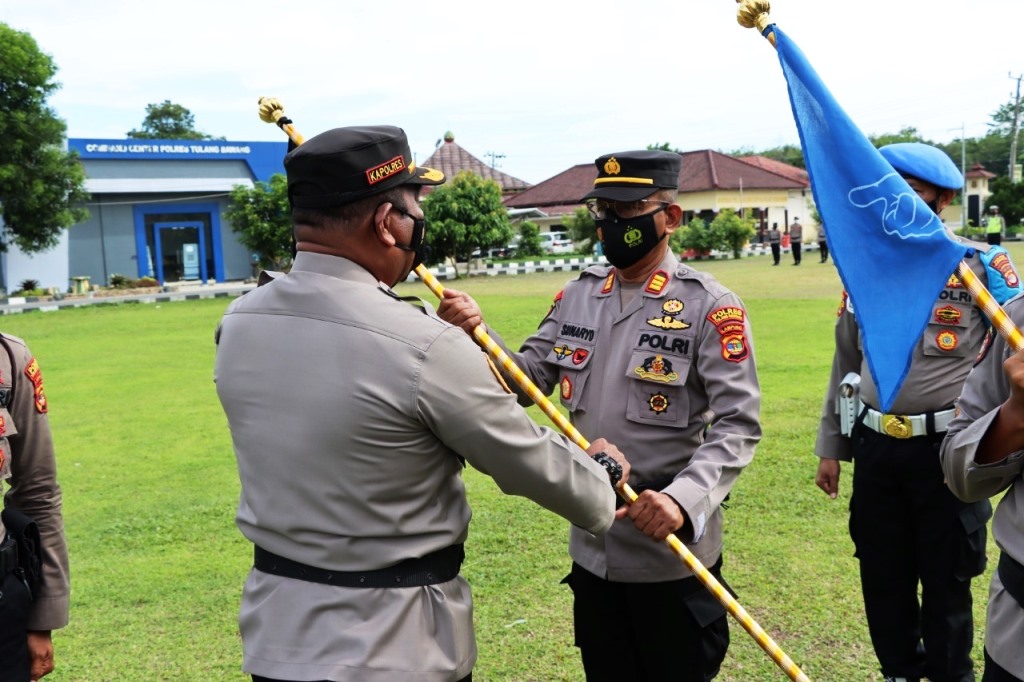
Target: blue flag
<point>892,252</point>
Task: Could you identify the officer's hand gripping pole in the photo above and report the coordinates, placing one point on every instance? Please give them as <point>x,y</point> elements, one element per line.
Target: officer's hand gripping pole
<point>755,14</point>
<point>272,111</point>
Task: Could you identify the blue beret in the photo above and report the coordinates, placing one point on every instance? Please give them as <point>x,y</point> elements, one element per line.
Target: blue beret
<point>924,162</point>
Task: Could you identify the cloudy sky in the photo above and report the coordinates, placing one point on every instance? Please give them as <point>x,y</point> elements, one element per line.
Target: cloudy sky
<point>540,85</point>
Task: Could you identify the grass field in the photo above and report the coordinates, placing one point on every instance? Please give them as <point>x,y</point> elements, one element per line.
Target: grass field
<point>150,489</point>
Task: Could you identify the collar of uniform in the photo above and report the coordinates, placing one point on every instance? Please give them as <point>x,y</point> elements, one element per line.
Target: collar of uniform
<point>332,266</point>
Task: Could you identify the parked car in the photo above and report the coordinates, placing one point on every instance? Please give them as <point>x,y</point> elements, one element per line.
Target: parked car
<point>556,243</point>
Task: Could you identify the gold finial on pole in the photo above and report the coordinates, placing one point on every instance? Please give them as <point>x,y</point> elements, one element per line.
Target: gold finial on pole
<point>272,111</point>
<point>755,14</point>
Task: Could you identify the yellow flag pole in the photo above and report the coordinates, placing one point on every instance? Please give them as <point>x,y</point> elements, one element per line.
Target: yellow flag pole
<point>274,113</point>
<point>755,14</point>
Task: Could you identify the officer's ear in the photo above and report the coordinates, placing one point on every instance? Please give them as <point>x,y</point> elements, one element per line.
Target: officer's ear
<point>673,217</point>
<point>944,199</point>
<point>382,224</point>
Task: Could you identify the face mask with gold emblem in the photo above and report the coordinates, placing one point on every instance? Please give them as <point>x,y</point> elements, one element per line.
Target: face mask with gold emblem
<point>627,240</point>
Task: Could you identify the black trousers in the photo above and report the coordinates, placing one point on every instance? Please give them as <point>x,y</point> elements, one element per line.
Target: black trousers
<point>823,248</point>
<point>648,632</point>
<point>14,608</point>
<point>796,252</point>
<point>909,529</point>
<point>996,673</point>
<point>994,238</point>
<point>776,252</point>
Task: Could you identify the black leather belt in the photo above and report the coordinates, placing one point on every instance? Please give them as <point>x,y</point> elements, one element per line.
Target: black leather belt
<point>8,556</point>
<point>1011,574</point>
<point>431,569</point>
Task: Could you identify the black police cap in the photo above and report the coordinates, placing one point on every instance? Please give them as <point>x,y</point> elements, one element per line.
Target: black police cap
<point>346,164</point>
<point>628,176</point>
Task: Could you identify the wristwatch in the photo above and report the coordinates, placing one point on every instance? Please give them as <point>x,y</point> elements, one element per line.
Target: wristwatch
<point>613,468</point>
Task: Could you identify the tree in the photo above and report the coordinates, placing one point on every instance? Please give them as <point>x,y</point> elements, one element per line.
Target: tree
<point>791,154</point>
<point>908,134</point>
<point>261,217</point>
<point>42,187</point>
<point>466,214</point>
<point>582,229</point>
<point>727,232</point>
<point>168,121</point>
<point>732,232</point>
<point>529,240</point>
<point>694,236</point>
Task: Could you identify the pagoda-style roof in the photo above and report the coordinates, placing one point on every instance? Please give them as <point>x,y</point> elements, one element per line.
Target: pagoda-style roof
<point>451,159</point>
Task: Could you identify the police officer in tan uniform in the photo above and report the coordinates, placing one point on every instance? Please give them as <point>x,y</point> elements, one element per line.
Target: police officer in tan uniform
<point>796,237</point>
<point>352,413</point>
<point>658,357</point>
<point>29,610</point>
<point>907,528</point>
<point>775,242</point>
<point>982,456</point>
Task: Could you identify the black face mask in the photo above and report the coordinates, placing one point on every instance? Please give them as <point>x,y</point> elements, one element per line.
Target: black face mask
<point>416,244</point>
<point>627,240</point>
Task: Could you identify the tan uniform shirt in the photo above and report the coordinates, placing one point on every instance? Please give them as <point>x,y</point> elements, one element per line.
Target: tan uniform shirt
<point>939,366</point>
<point>349,410</point>
<point>985,390</point>
<point>774,236</point>
<point>29,466</point>
<point>796,232</point>
<point>671,380</point>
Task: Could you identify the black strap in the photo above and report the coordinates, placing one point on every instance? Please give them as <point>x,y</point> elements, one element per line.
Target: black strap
<point>436,567</point>
<point>8,556</point>
<point>1011,574</point>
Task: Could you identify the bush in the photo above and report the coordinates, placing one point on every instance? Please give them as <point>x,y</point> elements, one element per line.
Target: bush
<point>146,282</point>
<point>28,285</point>
<point>695,235</point>
<point>121,281</point>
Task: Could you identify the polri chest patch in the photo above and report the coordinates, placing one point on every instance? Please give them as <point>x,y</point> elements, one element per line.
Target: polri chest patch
<point>656,368</point>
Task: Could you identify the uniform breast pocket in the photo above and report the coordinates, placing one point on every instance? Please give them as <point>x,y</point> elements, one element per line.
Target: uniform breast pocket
<point>571,357</point>
<point>657,389</point>
<point>943,340</point>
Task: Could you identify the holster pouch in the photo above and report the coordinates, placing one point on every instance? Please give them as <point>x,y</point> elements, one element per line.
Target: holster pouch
<point>30,548</point>
<point>848,403</point>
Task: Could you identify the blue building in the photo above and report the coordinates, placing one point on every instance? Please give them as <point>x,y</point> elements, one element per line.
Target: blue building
<point>157,210</point>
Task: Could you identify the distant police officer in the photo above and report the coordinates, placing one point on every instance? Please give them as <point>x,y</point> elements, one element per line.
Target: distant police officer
<point>982,456</point>
<point>796,238</point>
<point>905,524</point>
<point>657,356</point>
<point>351,414</point>
<point>822,243</point>
<point>34,592</point>
<point>775,241</point>
<point>995,226</point>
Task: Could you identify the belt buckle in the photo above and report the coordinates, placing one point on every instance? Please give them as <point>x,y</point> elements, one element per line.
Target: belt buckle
<point>897,426</point>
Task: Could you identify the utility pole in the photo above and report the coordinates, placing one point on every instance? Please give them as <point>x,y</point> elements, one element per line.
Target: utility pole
<point>1016,127</point>
<point>963,172</point>
<point>494,158</point>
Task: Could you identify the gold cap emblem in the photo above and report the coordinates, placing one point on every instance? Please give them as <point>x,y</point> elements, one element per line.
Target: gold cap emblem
<point>612,167</point>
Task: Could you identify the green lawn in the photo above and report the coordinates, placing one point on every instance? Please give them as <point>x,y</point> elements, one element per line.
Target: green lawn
<point>150,489</point>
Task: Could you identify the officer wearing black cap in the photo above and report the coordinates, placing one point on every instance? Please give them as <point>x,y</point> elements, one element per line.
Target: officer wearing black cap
<point>352,413</point>
<point>908,529</point>
<point>647,351</point>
